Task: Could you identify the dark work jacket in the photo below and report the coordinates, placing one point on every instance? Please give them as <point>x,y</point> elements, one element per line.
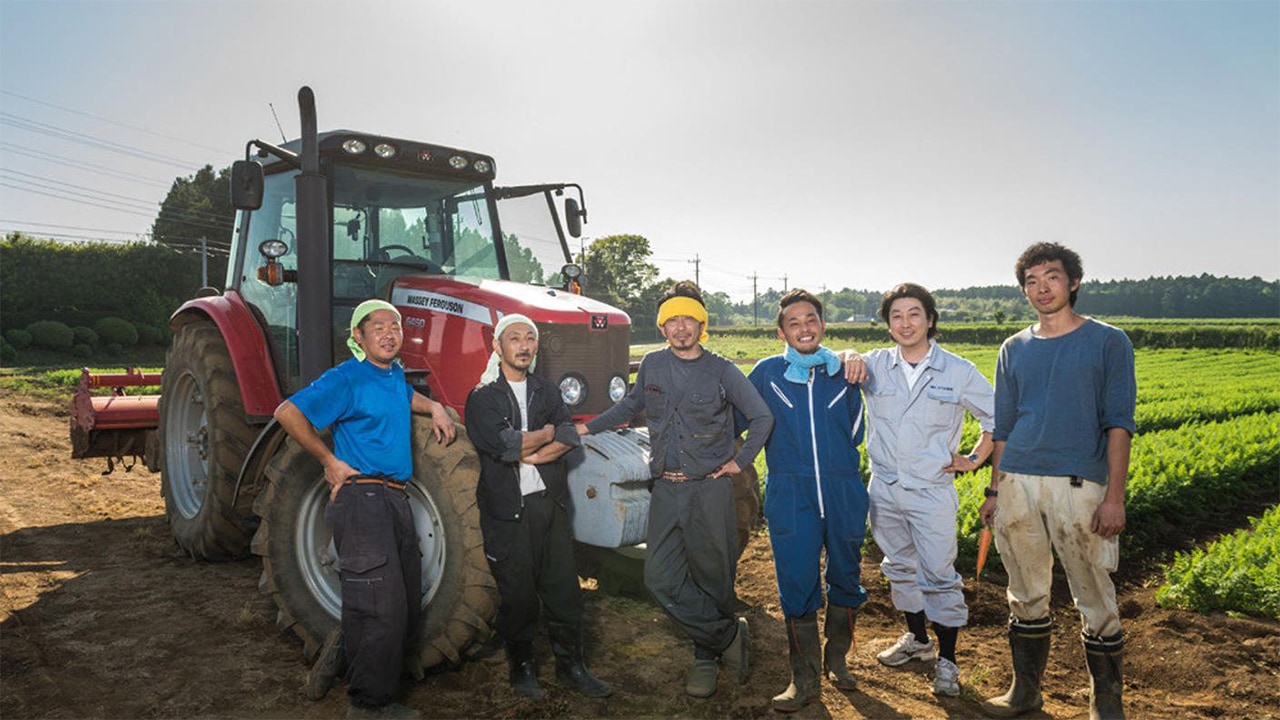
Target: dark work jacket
<point>704,406</point>
<point>493,424</point>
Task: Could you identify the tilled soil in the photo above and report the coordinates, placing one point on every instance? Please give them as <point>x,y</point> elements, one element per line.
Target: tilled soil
<point>101,615</point>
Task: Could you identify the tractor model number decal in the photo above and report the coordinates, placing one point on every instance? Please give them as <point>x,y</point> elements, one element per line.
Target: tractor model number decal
<point>436,302</point>
<point>599,322</point>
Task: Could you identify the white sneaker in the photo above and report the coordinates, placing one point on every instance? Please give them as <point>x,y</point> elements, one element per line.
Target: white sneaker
<point>946,678</point>
<point>905,650</point>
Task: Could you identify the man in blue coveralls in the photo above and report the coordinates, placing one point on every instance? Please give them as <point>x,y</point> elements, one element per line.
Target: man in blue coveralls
<point>814,496</point>
<point>367,403</point>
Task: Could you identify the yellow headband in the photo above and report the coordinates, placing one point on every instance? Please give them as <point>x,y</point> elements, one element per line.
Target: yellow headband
<point>681,305</point>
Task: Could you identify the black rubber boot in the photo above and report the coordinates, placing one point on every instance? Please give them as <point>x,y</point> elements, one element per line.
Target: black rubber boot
<point>571,669</point>
<point>839,632</point>
<point>1105,657</point>
<point>1029,645</point>
<point>524,673</point>
<point>805,687</point>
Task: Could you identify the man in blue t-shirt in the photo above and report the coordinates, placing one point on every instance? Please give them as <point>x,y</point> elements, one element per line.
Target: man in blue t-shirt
<point>1064,407</point>
<point>367,403</point>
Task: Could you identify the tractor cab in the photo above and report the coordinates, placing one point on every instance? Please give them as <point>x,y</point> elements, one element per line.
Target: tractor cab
<point>394,208</point>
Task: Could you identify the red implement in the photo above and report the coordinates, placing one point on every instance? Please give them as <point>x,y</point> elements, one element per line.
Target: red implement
<point>115,425</point>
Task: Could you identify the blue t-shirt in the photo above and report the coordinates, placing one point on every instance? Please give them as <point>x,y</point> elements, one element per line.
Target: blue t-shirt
<point>1056,398</point>
<point>369,409</point>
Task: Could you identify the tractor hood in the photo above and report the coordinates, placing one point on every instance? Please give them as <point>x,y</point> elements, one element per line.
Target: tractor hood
<point>486,301</point>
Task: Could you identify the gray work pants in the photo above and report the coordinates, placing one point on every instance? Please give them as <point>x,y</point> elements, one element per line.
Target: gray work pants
<point>692,559</point>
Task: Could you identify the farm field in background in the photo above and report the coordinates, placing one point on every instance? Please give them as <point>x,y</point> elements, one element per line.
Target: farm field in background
<point>102,615</point>
<point>1206,456</point>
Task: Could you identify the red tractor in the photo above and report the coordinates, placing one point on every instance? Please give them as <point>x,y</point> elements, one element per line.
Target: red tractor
<point>324,223</point>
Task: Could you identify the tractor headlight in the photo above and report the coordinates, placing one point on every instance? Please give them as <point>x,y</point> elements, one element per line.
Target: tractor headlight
<point>617,388</point>
<point>573,390</point>
<point>273,248</point>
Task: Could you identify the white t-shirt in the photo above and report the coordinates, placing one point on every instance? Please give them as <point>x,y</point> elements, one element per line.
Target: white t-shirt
<point>530,478</point>
<point>913,372</point>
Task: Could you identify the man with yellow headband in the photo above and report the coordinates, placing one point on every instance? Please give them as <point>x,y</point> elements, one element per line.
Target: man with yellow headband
<point>689,395</point>
<point>367,403</point>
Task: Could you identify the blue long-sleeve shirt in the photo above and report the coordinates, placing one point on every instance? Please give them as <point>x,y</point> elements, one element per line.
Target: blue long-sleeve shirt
<point>1056,398</point>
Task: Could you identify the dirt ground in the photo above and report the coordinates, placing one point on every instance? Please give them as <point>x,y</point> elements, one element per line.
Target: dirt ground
<point>102,616</point>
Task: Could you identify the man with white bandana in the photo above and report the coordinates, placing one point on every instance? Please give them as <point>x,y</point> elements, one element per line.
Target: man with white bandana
<point>814,497</point>
<point>367,403</point>
<point>522,430</point>
<point>689,395</point>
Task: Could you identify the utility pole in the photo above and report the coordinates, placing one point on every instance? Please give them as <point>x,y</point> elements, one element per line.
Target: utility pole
<point>697,262</point>
<point>204,261</point>
<point>755,300</point>
<point>825,302</point>
<point>784,284</point>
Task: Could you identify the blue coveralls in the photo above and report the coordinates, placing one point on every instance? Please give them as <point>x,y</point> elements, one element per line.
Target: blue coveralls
<point>814,496</point>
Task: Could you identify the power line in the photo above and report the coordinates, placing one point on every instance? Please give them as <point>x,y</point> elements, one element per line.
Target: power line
<point>69,227</point>
<point>115,122</point>
<point>63,134</point>
<point>38,178</point>
<point>81,164</point>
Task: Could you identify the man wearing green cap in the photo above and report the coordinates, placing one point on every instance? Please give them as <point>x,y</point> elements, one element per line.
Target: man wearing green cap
<point>367,403</point>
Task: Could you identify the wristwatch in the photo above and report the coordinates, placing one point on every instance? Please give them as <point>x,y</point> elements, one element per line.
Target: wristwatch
<point>973,458</point>
<point>988,492</point>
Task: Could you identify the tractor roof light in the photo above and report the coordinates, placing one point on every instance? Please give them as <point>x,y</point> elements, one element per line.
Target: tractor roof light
<point>571,271</point>
<point>384,150</point>
<point>354,146</point>
<point>457,162</point>
<point>481,166</point>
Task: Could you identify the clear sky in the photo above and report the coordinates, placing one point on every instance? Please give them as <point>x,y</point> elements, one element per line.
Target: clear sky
<point>838,144</point>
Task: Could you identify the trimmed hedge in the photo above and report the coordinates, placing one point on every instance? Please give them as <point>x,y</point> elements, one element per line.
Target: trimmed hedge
<point>85,336</point>
<point>114,330</point>
<point>51,335</point>
<point>1163,335</point>
<point>17,337</point>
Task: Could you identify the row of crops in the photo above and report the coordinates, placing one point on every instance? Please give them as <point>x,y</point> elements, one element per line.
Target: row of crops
<point>1208,439</point>
<point>1208,445</point>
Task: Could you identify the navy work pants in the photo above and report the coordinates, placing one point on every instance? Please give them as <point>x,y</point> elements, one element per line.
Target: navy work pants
<point>380,567</point>
<point>531,559</point>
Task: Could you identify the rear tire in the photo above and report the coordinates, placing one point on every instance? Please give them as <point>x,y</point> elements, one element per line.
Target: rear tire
<point>203,439</point>
<point>299,561</point>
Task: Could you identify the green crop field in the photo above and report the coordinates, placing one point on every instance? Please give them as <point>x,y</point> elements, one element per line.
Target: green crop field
<point>1208,437</point>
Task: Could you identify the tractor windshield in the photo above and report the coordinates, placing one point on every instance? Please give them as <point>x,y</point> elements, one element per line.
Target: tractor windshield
<point>532,238</point>
<point>388,224</point>
<point>385,224</point>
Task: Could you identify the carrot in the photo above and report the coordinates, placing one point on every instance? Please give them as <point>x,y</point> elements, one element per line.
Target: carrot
<point>984,544</point>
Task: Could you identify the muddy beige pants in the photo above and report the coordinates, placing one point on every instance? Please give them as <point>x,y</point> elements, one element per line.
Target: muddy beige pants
<point>1037,515</point>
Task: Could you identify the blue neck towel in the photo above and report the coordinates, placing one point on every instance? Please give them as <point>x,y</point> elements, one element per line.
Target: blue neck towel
<point>798,363</point>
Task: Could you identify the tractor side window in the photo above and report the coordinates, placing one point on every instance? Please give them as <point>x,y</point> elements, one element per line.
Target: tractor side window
<point>275,305</point>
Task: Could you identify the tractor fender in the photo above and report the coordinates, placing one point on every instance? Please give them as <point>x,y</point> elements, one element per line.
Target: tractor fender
<point>250,357</point>
<point>252,476</point>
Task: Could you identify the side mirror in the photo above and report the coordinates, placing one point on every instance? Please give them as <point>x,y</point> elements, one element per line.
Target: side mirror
<point>246,185</point>
<point>573,216</point>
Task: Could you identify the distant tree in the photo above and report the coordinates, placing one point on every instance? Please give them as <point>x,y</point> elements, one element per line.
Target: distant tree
<point>197,207</point>
<point>521,262</point>
<point>999,316</point>
<point>617,270</point>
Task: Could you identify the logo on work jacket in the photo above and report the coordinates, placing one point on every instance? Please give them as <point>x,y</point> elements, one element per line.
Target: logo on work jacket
<point>599,322</point>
